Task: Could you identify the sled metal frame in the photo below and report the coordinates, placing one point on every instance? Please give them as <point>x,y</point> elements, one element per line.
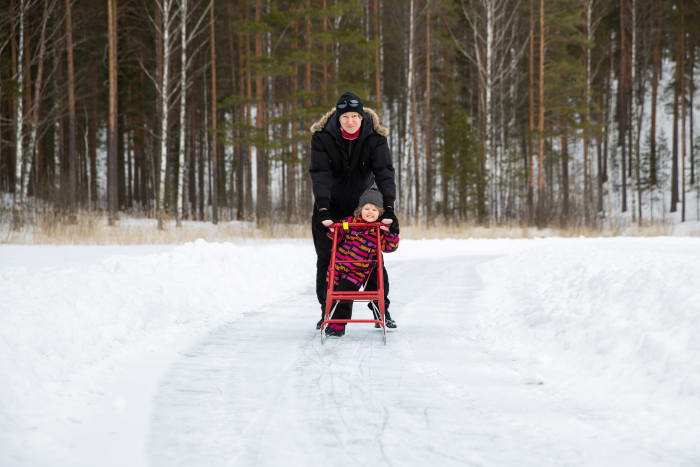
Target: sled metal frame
<point>333,297</point>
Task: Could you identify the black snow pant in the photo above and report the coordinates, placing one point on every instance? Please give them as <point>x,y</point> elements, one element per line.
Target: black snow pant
<point>344,309</point>
<point>323,246</point>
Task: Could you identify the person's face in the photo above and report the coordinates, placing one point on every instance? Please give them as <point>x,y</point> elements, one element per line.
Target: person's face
<point>350,121</point>
<point>370,212</point>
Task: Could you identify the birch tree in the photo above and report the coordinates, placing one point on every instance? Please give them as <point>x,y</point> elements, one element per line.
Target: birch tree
<point>165,6</point>
<point>112,158</point>
<point>683,109</point>
<point>185,66</point>
<point>676,92</point>
<point>183,111</point>
<point>18,199</point>
<point>38,88</point>
<point>493,25</point>
<point>640,60</point>
<point>410,129</point>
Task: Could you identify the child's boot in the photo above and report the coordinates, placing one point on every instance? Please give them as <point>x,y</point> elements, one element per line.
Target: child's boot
<point>335,330</point>
<point>390,323</point>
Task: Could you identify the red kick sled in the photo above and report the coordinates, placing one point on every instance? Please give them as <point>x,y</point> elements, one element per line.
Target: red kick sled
<point>333,297</point>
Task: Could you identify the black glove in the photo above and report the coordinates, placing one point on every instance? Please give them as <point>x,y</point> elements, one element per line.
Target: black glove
<point>389,214</point>
<point>324,215</point>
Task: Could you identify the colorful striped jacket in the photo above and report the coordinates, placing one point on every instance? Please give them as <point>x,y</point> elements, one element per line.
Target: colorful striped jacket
<point>358,244</point>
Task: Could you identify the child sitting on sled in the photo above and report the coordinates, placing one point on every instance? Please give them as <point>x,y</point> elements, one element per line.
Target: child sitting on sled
<point>360,244</point>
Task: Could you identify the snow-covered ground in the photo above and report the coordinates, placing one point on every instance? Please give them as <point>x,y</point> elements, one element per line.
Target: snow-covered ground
<point>508,352</point>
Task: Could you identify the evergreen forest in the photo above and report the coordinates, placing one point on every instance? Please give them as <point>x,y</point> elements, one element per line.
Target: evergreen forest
<point>501,112</point>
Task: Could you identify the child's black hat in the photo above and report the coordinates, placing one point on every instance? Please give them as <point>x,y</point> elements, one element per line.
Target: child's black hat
<point>371,196</point>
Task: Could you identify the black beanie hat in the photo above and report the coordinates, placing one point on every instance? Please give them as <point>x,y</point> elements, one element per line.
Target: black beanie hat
<point>371,196</point>
<point>349,102</point>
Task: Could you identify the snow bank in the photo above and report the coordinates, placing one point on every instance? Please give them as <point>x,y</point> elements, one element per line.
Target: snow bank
<point>67,332</point>
<point>615,321</point>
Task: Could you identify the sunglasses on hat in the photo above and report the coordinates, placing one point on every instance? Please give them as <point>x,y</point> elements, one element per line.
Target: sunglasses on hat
<point>351,103</point>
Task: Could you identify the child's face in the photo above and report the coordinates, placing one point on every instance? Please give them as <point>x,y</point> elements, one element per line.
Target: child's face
<point>370,212</point>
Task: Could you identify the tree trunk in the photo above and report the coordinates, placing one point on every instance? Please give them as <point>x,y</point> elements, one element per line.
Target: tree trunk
<point>446,176</point>
<point>306,185</point>
<point>530,138</point>
<point>428,155</point>
<point>540,135</point>
<point>214,138</point>
<point>18,200</point>
<point>261,211</point>
<point>192,172</point>
<point>236,191</point>
<point>121,159</point>
<point>587,195</point>
<point>112,158</point>
<point>128,154</point>
<point>179,202</point>
<point>565,173</point>
<point>34,109</point>
<point>56,184</point>
<point>414,127</point>
<point>251,184</point>
<point>146,166</point>
<point>377,73</point>
<point>243,169</point>
<point>27,151</point>
<point>408,136</point>
<point>72,152</point>
<point>691,92</point>
<point>683,110</point>
<point>92,139</point>
<point>599,149</point>
<point>676,91</point>
<point>203,155</point>
<point>622,103</point>
<point>637,112</point>
<point>656,67</point>
<point>206,154</point>
<point>292,206</point>
<point>164,92</point>
<point>609,152</point>
<point>324,56</point>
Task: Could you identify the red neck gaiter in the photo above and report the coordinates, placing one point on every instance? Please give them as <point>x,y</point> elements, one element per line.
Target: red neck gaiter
<point>350,136</point>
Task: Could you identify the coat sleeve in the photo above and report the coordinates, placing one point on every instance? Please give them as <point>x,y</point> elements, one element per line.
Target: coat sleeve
<point>383,169</point>
<point>341,231</point>
<point>320,171</point>
<point>390,242</point>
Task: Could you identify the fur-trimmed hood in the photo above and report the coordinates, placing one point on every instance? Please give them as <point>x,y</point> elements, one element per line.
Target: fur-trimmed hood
<point>378,127</point>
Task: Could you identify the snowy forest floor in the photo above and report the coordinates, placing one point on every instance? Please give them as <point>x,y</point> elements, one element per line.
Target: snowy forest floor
<point>508,352</point>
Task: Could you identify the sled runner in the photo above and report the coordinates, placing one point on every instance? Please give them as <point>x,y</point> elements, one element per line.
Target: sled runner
<point>333,297</point>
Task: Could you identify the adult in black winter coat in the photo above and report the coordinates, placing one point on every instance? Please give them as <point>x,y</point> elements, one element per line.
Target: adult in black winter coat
<point>349,154</point>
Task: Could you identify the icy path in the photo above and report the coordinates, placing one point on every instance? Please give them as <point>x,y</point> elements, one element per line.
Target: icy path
<point>263,391</point>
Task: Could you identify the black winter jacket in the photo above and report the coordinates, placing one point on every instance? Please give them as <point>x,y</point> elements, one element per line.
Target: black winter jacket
<point>342,170</point>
